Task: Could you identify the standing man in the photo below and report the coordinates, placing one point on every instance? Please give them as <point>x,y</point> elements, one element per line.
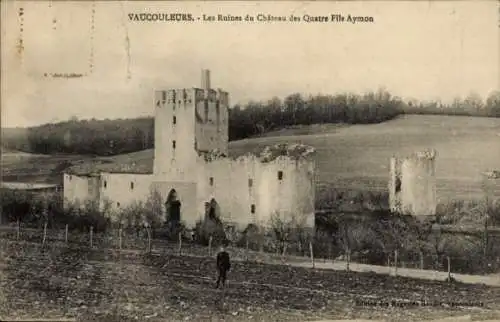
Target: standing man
<point>223,265</point>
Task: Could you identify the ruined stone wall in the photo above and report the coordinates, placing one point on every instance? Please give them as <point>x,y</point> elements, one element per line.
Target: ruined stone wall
<point>418,186</point>
<point>250,191</point>
<point>247,190</point>
<point>121,190</point>
<point>291,196</point>
<point>412,184</point>
<point>395,185</point>
<point>491,187</point>
<point>80,189</point>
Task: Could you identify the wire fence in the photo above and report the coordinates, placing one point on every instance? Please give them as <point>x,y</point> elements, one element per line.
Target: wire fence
<point>310,253</point>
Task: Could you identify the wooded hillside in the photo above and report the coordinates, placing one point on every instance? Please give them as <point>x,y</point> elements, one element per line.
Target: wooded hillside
<point>110,137</point>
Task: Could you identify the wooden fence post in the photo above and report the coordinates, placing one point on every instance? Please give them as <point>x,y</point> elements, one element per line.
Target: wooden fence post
<point>120,232</point>
<point>44,232</point>
<point>449,267</point>
<point>247,248</point>
<point>210,246</point>
<point>283,255</point>
<point>91,236</point>
<point>148,231</point>
<point>66,234</point>
<point>348,257</point>
<point>396,262</point>
<point>18,228</point>
<point>311,252</point>
<point>180,243</point>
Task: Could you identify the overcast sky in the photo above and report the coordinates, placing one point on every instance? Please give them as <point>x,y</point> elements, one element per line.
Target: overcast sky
<point>425,50</point>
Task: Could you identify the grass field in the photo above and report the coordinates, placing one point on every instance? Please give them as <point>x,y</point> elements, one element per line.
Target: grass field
<point>102,285</point>
<point>354,157</point>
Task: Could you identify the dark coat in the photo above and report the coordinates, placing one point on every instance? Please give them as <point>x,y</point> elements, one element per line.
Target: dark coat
<point>223,261</point>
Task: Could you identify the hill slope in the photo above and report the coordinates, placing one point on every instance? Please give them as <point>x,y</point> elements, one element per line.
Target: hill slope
<point>357,156</point>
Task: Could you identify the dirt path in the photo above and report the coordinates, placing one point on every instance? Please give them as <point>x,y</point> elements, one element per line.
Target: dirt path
<point>407,272</point>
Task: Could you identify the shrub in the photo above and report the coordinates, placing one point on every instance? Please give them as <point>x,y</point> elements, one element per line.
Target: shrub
<point>171,229</point>
<point>209,227</point>
<point>90,215</point>
<point>251,234</point>
<point>288,230</point>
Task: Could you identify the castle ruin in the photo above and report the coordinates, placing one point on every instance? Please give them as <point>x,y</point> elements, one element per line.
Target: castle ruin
<point>192,168</point>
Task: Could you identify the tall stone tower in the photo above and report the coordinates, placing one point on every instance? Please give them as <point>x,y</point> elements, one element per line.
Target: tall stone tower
<point>188,121</point>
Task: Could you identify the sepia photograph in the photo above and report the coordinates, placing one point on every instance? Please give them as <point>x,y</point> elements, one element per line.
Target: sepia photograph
<point>313,161</point>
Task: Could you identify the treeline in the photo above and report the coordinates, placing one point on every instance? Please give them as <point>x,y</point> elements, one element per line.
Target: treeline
<point>89,137</point>
<point>256,118</point>
<point>109,137</point>
<point>472,105</point>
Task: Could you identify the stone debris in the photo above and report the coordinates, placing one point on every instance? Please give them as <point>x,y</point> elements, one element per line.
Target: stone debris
<point>295,151</point>
<point>213,155</point>
<point>495,174</point>
<point>269,154</point>
<point>427,154</point>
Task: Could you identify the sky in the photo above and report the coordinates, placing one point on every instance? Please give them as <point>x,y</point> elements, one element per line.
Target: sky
<point>423,50</point>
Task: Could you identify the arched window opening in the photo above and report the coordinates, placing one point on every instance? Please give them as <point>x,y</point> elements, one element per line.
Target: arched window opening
<point>213,211</point>
<point>398,184</point>
<point>173,207</point>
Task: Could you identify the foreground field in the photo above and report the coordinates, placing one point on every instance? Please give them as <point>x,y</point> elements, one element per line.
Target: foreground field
<point>106,286</point>
<point>354,157</point>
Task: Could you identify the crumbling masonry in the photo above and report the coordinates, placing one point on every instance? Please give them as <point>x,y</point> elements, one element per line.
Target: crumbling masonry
<point>412,184</point>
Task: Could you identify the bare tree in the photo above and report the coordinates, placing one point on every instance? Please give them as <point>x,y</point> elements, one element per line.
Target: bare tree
<point>153,210</point>
<point>438,243</point>
<point>288,228</point>
<point>343,236</point>
<point>396,234</point>
<point>132,216</point>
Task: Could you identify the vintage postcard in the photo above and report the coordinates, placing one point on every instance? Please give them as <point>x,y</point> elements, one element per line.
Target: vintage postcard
<point>240,161</point>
